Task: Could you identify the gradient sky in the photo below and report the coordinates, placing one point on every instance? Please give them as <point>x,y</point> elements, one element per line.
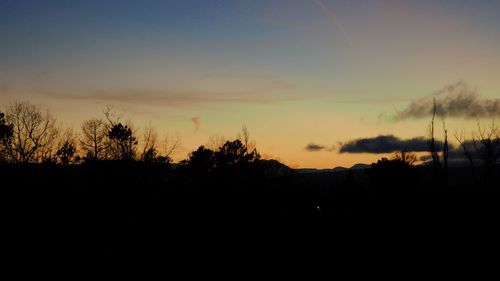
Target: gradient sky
<point>294,71</point>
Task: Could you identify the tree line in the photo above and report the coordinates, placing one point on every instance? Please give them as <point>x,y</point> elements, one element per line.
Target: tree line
<point>30,135</point>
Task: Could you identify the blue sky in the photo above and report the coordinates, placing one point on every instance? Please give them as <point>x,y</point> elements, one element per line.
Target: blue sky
<point>236,62</point>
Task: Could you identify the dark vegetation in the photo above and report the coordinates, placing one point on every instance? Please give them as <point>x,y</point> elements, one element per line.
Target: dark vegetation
<point>108,192</point>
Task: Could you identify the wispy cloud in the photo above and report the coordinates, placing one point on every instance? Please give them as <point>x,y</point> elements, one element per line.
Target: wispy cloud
<point>385,144</point>
<point>197,123</point>
<point>172,98</point>
<point>457,100</point>
<point>334,18</point>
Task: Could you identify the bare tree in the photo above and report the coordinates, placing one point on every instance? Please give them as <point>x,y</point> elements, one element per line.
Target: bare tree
<point>149,140</point>
<point>170,145</point>
<point>215,142</point>
<point>122,140</point>
<point>34,133</point>
<point>466,147</point>
<point>244,138</point>
<point>440,170</point>
<point>112,117</point>
<point>431,141</point>
<point>445,151</point>
<point>48,152</point>
<point>154,151</point>
<point>405,157</point>
<point>487,146</point>
<point>94,139</point>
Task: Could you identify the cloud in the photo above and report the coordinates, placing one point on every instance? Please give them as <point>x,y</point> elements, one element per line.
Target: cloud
<point>455,100</point>
<point>334,18</point>
<point>173,98</point>
<point>453,153</point>
<point>197,123</point>
<point>313,147</point>
<point>458,153</point>
<point>385,144</point>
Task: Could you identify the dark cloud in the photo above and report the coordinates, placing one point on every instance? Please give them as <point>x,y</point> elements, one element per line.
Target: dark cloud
<point>385,144</point>
<point>458,153</point>
<point>313,147</point>
<point>454,153</point>
<point>456,100</point>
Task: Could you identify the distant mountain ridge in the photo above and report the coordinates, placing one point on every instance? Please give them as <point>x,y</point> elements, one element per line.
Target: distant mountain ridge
<point>359,166</point>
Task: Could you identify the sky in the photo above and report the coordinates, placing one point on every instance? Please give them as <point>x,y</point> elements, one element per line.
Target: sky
<point>300,74</point>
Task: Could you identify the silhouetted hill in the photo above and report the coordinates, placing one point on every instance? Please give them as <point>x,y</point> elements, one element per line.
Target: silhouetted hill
<point>360,166</point>
<point>127,208</point>
<point>312,170</point>
<point>275,168</point>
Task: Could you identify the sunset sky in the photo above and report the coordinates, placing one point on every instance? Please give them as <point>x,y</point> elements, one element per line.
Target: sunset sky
<point>299,74</point>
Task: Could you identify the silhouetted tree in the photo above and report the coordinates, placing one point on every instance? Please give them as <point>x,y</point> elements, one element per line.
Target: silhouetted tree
<point>431,140</point>
<point>152,155</point>
<point>202,160</point>
<point>67,149</point>
<point>6,134</point>
<point>446,150</point>
<point>94,142</point>
<point>407,158</point>
<point>123,142</point>
<point>467,147</point>
<point>487,147</point>
<point>169,146</point>
<point>215,142</point>
<point>66,153</point>
<point>244,137</point>
<point>395,174</point>
<point>149,151</point>
<point>34,133</point>
<point>235,153</point>
<point>440,171</point>
<point>482,147</point>
<point>6,129</point>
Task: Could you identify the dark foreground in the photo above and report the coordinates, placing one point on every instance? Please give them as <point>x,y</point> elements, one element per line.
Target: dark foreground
<point>107,210</point>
